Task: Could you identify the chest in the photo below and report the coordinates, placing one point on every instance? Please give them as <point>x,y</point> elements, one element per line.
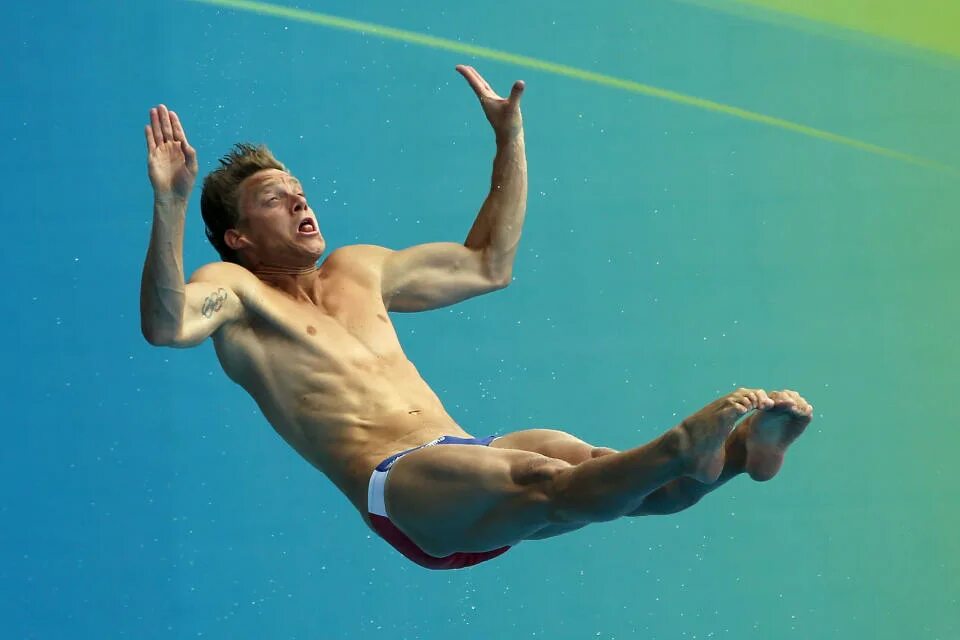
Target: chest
<point>341,313</point>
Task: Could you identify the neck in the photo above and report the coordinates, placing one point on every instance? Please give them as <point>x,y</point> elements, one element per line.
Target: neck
<point>277,270</point>
<point>296,281</point>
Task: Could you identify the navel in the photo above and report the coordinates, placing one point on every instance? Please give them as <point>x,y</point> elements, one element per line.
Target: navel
<point>312,331</point>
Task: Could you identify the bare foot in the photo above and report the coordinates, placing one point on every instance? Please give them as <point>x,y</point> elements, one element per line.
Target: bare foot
<point>767,433</point>
<point>703,434</point>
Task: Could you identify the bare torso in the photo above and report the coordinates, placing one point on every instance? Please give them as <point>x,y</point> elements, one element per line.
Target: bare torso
<point>327,370</point>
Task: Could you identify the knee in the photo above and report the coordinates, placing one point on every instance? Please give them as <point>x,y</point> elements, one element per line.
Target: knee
<point>539,482</point>
<point>599,452</point>
<point>577,494</point>
<point>539,472</point>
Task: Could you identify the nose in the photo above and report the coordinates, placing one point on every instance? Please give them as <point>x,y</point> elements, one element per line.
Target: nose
<point>299,204</point>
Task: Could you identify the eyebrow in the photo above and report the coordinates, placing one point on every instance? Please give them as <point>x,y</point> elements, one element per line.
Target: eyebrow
<point>274,183</point>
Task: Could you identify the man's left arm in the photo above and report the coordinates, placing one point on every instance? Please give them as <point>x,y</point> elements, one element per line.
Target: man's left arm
<point>500,221</point>
<point>439,274</point>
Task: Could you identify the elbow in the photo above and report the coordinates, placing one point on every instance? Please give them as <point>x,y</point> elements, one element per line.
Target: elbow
<point>150,325</point>
<point>155,338</point>
<point>152,339</point>
<point>496,267</point>
<point>502,282</point>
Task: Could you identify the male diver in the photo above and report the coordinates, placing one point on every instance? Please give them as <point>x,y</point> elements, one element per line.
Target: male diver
<point>315,348</point>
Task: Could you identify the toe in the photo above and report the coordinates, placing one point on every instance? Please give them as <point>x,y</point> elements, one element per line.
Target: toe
<point>763,400</point>
<point>742,405</point>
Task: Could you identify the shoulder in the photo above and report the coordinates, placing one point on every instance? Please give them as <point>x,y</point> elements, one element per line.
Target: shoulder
<point>226,274</point>
<point>361,252</point>
<point>359,257</point>
<point>220,272</point>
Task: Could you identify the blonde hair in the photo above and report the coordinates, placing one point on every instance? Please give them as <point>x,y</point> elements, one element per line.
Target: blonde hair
<point>220,198</point>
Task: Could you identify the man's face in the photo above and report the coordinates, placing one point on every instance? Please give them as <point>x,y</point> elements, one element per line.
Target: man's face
<point>276,225</point>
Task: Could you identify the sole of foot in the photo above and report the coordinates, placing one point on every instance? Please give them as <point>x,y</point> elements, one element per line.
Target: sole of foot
<point>703,434</point>
<point>767,434</point>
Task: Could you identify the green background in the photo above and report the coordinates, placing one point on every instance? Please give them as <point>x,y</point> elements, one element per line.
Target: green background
<point>671,254</point>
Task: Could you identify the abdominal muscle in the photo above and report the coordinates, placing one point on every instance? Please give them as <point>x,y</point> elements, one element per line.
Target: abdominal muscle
<point>341,406</point>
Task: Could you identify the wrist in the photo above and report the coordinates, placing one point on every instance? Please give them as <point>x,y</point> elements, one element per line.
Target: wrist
<point>509,137</point>
<point>169,207</point>
<point>169,198</point>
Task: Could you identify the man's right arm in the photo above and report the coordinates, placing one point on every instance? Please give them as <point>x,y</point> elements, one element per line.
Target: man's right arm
<point>174,313</point>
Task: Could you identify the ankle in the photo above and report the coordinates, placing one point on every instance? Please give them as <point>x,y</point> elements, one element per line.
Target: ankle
<point>674,443</point>
<point>677,445</point>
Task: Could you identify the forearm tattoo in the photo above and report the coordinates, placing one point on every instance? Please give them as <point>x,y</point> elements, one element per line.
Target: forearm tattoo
<point>213,303</point>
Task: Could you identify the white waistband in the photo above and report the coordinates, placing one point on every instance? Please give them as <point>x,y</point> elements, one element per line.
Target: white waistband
<point>375,502</point>
<point>378,480</point>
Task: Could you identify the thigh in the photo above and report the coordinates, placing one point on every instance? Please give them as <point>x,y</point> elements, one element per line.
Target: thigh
<point>456,497</point>
<point>551,443</point>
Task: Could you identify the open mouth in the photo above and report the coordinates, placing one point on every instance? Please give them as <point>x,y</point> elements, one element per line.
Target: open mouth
<point>307,227</point>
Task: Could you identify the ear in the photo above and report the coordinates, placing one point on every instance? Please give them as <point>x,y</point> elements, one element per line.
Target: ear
<point>235,239</point>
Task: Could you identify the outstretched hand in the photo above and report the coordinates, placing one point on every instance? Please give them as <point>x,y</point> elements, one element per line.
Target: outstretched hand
<point>171,161</point>
<point>503,114</point>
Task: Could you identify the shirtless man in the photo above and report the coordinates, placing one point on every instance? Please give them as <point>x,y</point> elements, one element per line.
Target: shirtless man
<point>315,348</point>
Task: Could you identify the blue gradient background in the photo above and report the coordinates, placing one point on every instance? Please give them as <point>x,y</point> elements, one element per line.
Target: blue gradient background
<point>670,255</point>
